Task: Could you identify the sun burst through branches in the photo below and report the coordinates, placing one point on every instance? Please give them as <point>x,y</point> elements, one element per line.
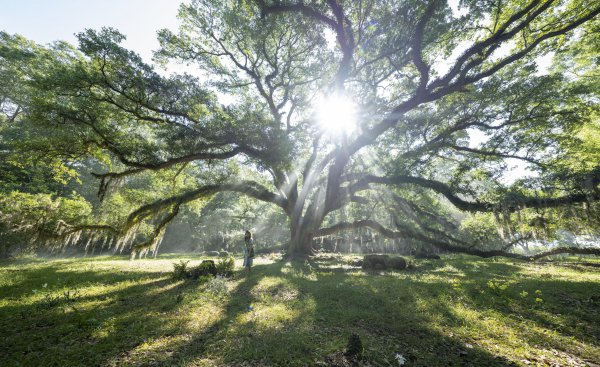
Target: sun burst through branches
<point>336,115</point>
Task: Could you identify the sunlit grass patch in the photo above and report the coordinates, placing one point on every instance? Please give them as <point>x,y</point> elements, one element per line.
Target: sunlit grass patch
<point>452,311</point>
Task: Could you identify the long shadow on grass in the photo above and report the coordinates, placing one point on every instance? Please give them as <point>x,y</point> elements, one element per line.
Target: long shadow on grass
<point>568,308</point>
<point>57,275</point>
<point>303,315</point>
<point>92,329</point>
<point>232,336</point>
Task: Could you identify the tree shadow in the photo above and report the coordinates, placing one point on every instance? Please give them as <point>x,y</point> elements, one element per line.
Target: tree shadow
<point>284,313</point>
<point>88,328</point>
<point>569,308</point>
<point>319,320</point>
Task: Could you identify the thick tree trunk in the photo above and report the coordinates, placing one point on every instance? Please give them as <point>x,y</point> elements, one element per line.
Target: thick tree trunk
<point>301,236</point>
<point>300,244</point>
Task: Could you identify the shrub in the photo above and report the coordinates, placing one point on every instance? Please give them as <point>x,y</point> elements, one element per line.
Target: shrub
<point>374,261</point>
<point>225,267</point>
<point>206,267</point>
<point>180,270</point>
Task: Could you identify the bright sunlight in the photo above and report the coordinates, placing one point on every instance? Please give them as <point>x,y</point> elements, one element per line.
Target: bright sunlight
<point>336,115</point>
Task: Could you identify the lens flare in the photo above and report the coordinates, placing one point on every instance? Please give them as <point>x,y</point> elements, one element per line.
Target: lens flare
<point>336,115</point>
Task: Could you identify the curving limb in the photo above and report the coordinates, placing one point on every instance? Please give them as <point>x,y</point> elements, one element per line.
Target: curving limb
<point>405,233</point>
<point>477,206</point>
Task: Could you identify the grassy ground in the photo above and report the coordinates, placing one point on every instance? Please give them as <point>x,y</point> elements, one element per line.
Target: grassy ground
<point>459,311</point>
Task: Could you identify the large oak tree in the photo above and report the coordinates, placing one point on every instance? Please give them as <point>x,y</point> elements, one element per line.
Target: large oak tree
<point>425,79</point>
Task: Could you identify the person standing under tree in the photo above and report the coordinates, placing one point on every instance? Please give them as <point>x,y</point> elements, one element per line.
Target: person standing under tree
<point>248,251</point>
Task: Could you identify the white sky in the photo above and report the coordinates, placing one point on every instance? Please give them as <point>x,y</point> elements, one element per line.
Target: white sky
<point>45,21</point>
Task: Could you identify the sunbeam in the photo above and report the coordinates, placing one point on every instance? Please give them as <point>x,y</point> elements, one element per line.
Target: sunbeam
<point>336,115</point>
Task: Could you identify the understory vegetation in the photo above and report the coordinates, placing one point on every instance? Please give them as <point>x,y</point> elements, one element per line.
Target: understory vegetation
<point>456,311</point>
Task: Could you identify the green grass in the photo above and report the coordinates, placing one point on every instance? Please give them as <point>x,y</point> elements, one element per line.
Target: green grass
<point>458,311</point>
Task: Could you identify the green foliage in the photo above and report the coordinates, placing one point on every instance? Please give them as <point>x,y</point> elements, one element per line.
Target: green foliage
<point>207,269</point>
<point>27,221</point>
<point>225,267</point>
<point>180,270</point>
<point>482,229</point>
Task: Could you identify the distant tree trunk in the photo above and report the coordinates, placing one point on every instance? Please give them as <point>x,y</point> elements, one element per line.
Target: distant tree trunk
<point>360,236</point>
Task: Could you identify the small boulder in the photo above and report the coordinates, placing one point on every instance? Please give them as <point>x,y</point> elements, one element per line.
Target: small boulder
<point>375,261</point>
<point>396,263</point>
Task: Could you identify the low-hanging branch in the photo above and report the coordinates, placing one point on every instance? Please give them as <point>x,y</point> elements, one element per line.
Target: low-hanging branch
<point>106,179</point>
<point>153,241</point>
<point>70,229</point>
<point>405,233</point>
<point>250,188</point>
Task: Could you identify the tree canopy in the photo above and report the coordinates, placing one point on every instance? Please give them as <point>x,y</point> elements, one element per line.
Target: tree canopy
<point>444,102</point>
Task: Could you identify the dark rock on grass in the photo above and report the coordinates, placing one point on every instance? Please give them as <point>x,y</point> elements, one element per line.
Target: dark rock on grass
<point>382,262</point>
<point>426,255</point>
<point>354,350</point>
<point>375,261</point>
<point>396,263</point>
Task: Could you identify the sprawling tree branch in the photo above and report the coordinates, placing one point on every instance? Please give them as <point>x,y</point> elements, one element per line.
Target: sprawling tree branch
<point>450,194</point>
<point>249,188</point>
<point>404,233</point>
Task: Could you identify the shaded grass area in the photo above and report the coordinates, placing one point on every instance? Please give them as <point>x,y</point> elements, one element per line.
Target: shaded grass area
<point>458,311</point>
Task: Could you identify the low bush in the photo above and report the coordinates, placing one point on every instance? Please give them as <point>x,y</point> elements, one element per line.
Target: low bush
<point>180,270</point>
<point>207,268</point>
<point>375,262</point>
<point>396,263</point>
<point>225,267</point>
